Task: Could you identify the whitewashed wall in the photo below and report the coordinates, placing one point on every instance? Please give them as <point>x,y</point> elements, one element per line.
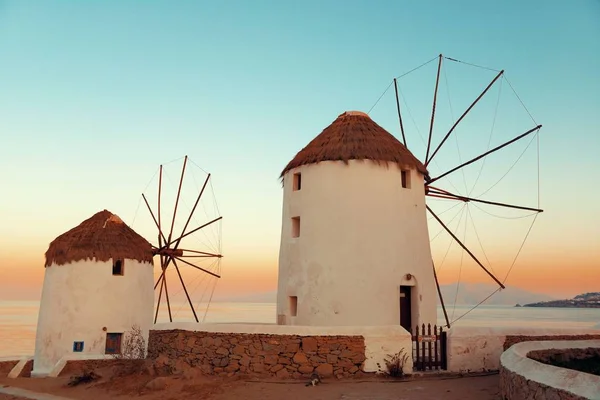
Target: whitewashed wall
<point>528,372</point>
<point>80,299</point>
<point>361,232</point>
<point>476,349</point>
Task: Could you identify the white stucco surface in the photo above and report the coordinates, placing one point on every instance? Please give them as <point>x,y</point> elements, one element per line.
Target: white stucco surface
<point>578,383</point>
<point>80,299</point>
<point>473,349</point>
<point>361,232</point>
<point>380,341</point>
<point>18,368</point>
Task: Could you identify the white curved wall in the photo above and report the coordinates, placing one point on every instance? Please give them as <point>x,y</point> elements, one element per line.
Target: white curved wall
<point>361,232</point>
<point>79,299</point>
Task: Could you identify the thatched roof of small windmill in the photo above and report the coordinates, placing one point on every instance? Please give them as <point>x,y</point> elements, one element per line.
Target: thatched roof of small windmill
<point>355,136</point>
<point>101,237</point>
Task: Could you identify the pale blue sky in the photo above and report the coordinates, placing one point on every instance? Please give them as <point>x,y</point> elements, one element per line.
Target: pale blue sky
<point>95,94</point>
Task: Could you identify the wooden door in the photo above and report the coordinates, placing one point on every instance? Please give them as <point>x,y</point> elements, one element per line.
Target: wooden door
<point>113,343</point>
<point>405,308</point>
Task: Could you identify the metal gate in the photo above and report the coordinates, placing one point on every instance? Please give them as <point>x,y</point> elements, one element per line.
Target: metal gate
<point>429,348</point>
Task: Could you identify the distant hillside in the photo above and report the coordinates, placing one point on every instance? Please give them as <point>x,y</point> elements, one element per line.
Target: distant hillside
<point>585,300</point>
<point>468,294</point>
<point>473,293</point>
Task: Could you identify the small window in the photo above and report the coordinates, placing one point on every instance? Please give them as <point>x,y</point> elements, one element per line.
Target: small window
<point>113,343</point>
<point>117,267</point>
<point>293,305</point>
<point>295,227</point>
<point>297,181</point>
<point>78,347</point>
<point>405,179</point>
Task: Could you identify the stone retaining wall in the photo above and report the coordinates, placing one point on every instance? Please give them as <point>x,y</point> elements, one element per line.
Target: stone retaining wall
<point>280,356</point>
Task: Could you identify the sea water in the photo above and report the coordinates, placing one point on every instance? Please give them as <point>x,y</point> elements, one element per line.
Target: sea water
<point>18,319</point>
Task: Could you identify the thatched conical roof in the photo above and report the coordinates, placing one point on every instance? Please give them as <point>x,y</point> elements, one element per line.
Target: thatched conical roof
<point>355,136</point>
<point>101,237</point>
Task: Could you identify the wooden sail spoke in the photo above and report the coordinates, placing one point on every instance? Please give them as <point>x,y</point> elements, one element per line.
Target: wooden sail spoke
<point>464,247</point>
<point>153,217</point>
<point>167,297</point>
<point>193,209</point>
<point>399,114</point>
<point>177,199</point>
<point>194,230</point>
<point>437,81</point>
<point>185,290</point>
<point>437,284</point>
<point>485,154</point>
<point>428,160</point>
<point>204,253</point>
<point>160,234</point>
<point>159,279</point>
<point>197,267</point>
<point>440,193</point>
<point>159,295</point>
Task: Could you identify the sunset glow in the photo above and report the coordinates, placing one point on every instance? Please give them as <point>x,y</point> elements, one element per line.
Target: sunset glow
<point>89,114</point>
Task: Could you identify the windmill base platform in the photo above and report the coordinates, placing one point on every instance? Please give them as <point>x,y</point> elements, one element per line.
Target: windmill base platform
<point>270,351</point>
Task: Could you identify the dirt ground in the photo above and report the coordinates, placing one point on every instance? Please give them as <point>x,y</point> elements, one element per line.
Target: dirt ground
<point>177,387</point>
<point>9,397</point>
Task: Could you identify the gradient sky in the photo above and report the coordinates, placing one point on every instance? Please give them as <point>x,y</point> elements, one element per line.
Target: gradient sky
<point>94,95</point>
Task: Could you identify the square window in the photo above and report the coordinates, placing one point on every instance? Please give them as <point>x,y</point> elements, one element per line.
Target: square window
<point>293,306</point>
<point>297,181</point>
<point>78,347</point>
<point>113,343</point>
<point>405,178</point>
<point>295,227</point>
<point>117,268</point>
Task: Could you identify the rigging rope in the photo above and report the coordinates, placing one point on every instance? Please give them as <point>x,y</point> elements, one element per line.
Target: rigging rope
<point>140,199</point>
<point>489,139</point>
<point>456,134</point>
<point>511,167</point>
<point>439,269</point>
<point>503,217</point>
<point>421,135</point>
<point>521,101</point>
<point>462,254</point>
<point>212,226</point>
<point>209,300</point>
<point>449,222</point>
<point>477,305</point>
<point>210,245</point>
<point>520,248</point>
<point>479,240</point>
<point>416,68</point>
<point>398,77</point>
<point>382,94</point>
<point>471,64</point>
<point>538,168</point>
<point>191,293</point>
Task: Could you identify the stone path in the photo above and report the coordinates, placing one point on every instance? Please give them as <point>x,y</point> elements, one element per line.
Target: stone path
<point>28,394</point>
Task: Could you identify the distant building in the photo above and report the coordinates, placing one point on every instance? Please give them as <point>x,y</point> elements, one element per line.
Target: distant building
<point>98,284</point>
<point>354,241</point>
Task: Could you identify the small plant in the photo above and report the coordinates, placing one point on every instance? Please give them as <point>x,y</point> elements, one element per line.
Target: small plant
<point>84,377</point>
<point>394,364</point>
<point>132,354</point>
<point>133,346</point>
